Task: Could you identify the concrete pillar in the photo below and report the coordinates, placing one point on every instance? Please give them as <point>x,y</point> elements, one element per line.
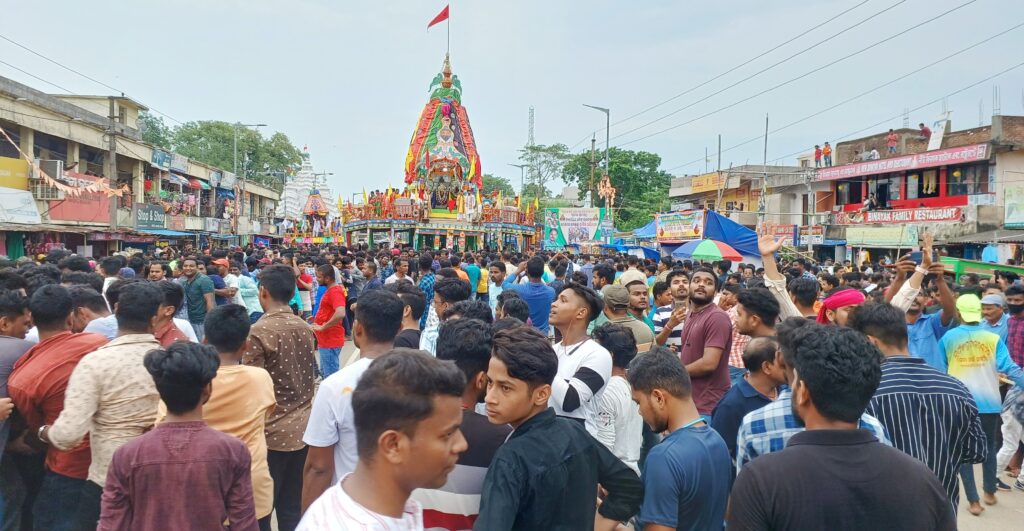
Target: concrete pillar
<point>73,154</point>
<point>139,181</point>
<point>27,141</point>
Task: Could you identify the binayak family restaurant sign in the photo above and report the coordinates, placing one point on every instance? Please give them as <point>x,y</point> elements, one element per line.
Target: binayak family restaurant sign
<point>928,159</point>
<point>910,215</point>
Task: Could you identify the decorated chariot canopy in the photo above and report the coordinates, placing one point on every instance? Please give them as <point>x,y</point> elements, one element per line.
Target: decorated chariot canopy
<point>315,205</point>
<point>442,161</point>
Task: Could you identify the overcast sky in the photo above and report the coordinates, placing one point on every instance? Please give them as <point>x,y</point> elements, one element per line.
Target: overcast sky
<point>349,79</point>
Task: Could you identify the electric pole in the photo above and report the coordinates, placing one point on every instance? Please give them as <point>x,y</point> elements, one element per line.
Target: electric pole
<point>593,168</point>
<point>111,164</point>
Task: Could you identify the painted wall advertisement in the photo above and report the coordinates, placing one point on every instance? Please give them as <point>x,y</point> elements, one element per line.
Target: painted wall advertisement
<point>928,159</point>
<point>565,226</point>
<point>813,234</point>
<point>676,226</point>
<point>1013,210</point>
<point>890,236</point>
<point>14,173</point>
<point>910,215</point>
<point>89,206</point>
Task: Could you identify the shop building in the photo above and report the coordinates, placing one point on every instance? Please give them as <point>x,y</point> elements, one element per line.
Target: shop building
<point>952,185</point>
<point>69,136</point>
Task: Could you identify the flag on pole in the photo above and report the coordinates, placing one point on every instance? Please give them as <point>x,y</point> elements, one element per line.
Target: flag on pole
<point>441,17</point>
<point>365,201</point>
<point>536,203</point>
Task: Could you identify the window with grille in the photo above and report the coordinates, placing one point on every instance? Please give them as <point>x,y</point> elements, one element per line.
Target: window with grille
<point>43,191</point>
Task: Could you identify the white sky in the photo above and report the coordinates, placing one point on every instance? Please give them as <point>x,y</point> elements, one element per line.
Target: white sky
<point>349,79</point>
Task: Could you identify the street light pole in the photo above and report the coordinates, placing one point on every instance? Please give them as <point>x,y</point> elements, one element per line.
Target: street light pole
<point>234,168</point>
<point>236,126</point>
<point>607,134</point>
<point>521,168</point>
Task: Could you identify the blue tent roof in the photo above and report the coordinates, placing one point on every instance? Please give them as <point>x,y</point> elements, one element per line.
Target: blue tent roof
<point>647,231</point>
<point>723,229</point>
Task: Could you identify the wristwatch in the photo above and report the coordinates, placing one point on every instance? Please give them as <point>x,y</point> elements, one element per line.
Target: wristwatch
<point>39,434</point>
<point>921,270</point>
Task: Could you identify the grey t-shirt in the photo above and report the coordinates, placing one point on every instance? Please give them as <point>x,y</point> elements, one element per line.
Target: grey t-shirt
<point>11,350</point>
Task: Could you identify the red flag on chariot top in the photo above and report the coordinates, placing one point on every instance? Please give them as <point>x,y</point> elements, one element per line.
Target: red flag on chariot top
<point>441,17</point>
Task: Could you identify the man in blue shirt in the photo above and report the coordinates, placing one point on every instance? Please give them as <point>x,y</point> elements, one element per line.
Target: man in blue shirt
<point>686,476</point>
<point>472,271</point>
<point>538,296</point>
<point>924,330</point>
<point>753,391</point>
<point>995,319</point>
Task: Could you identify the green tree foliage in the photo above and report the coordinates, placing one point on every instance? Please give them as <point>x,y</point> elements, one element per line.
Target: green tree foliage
<point>261,159</point>
<point>494,182</point>
<point>546,165</point>
<point>155,131</point>
<point>642,187</point>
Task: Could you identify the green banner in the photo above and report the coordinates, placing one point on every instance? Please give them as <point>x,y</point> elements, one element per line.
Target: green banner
<point>566,226</point>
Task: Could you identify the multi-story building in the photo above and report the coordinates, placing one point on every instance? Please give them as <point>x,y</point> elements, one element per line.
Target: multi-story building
<point>164,199</point>
<point>964,186</point>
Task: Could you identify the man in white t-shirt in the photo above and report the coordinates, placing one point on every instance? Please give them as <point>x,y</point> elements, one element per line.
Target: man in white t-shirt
<point>402,445</point>
<point>584,366</point>
<point>330,432</point>
<point>619,424</point>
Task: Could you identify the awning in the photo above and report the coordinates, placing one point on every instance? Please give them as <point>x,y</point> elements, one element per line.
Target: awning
<point>178,179</point>
<point>991,236</point>
<point>223,192</point>
<point>166,232</point>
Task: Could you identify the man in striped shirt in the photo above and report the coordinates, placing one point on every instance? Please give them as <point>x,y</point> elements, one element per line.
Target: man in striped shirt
<point>668,320</point>
<point>928,414</point>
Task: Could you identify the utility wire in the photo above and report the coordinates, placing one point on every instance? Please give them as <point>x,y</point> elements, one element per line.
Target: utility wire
<point>72,70</point>
<point>35,76</point>
<point>734,68</point>
<point>848,135</point>
<point>787,82</point>
<point>862,94</point>
<point>755,74</point>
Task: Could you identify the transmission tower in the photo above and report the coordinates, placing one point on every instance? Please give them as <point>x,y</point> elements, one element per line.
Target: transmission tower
<point>529,137</point>
<point>529,144</point>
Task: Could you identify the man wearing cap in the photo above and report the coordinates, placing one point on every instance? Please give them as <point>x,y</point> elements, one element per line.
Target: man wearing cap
<point>616,306</point>
<point>976,357</point>
<point>995,319</point>
<point>217,272</point>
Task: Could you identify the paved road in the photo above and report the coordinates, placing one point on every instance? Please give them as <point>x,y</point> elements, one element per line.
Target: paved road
<point>1007,514</point>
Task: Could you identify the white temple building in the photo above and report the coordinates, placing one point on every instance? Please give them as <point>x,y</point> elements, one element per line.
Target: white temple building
<point>297,189</point>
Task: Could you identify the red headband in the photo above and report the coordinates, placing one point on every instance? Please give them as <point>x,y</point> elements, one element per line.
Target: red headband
<point>846,297</point>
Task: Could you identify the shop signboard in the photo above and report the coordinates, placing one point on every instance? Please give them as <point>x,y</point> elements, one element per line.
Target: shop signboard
<point>14,173</point>
<point>781,230</point>
<point>1013,207</point>
<point>89,206</point>
<point>18,206</point>
<point>676,226</point>
<point>708,182</point>
<point>938,131</point>
<point>162,160</point>
<point>812,234</point>
<point>927,159</point>
<point>175,222</point>
<point>228,180</point>
<point>211,225</point>
<point>148,216</point>
<point>215,178</point>
<point>179,163</point>
<point>564,226</point>
<point>884,236</point>
<point>910,215</point>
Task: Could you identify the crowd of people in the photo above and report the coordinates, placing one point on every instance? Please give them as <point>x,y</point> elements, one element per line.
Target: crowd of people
<point>502,390</point>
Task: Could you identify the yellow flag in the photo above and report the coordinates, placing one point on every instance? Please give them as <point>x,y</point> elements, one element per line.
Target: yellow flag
<point>536,203</point>
<point>365,201</point>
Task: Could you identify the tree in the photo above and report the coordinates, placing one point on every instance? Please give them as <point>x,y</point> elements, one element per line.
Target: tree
<point>259,159</point>
<point>155,131</point>
<point>545,165</point>
<point>642,188</point>
<point>494,182</point>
